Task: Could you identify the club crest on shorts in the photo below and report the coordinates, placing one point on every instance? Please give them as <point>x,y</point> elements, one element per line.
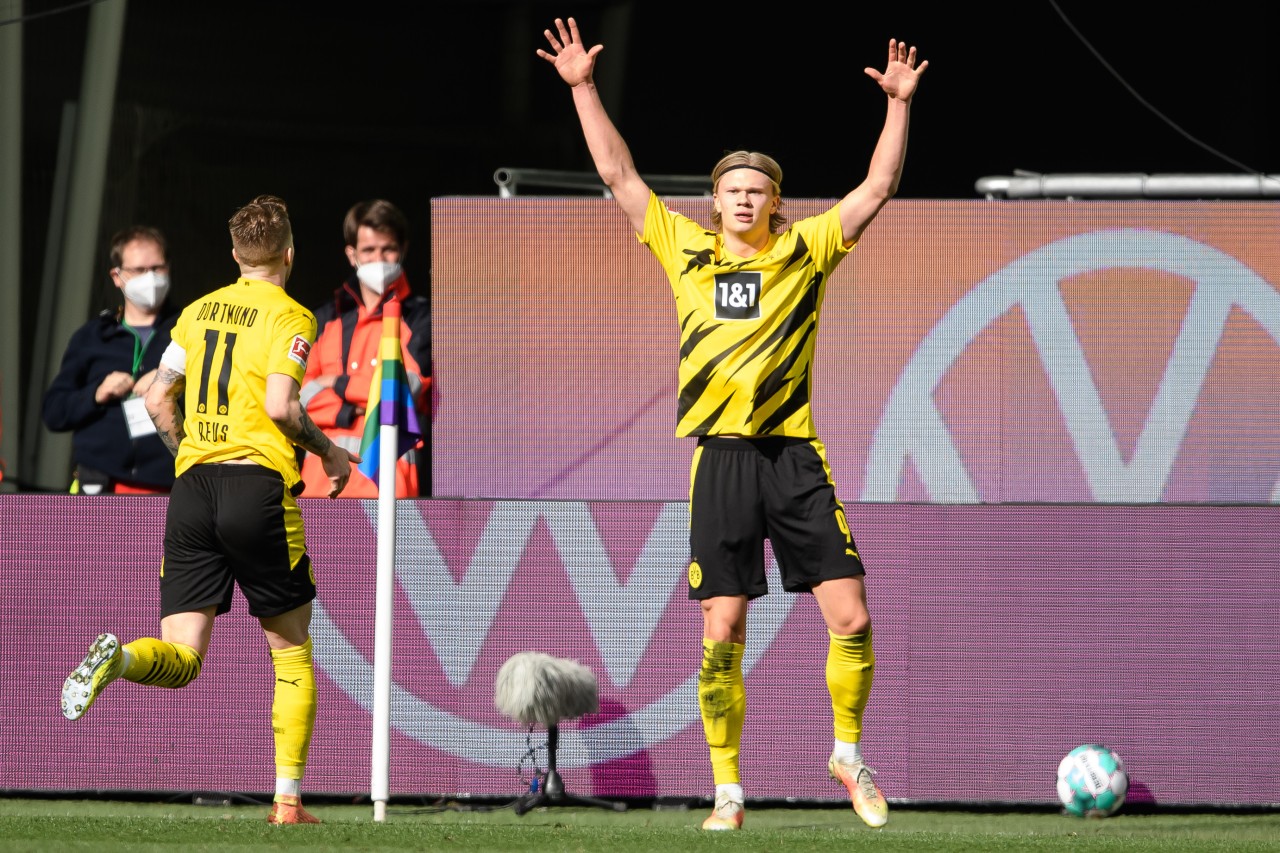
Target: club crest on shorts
<point>695,574</point>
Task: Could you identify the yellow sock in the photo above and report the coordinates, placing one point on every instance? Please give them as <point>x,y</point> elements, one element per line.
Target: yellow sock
<point>151,661</point>
<point>850,666</point>
<point>293,711</point>
<point>722,699</point>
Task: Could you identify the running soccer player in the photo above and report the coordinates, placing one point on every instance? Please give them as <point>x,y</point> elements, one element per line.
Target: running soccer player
<point>236,360</point>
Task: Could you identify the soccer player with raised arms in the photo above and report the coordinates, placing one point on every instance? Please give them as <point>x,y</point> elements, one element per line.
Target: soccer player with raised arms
<point>748,295</point>
<point>236,360</point>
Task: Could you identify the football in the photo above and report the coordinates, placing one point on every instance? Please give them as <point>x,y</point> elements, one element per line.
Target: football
<point>1092,781</point>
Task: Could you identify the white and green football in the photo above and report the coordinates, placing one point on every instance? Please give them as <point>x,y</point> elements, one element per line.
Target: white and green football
<point>1092,781</point>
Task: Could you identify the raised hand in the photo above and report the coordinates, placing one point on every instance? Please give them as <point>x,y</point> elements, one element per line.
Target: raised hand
<point>900,74</point>
<point>574,62</point>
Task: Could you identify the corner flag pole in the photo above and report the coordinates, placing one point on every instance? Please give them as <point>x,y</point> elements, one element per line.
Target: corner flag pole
<point>380,759</point>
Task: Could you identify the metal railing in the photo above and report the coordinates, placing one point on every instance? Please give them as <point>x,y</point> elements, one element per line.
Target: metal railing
<point>1129,185</point>
<point>509,181</point>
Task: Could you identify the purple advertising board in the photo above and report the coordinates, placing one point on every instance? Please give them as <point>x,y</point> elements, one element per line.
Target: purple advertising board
<point>969,351</point>
<point>1005,635</point>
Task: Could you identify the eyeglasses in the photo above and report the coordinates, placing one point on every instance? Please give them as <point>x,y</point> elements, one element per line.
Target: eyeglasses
<point>141,270</point>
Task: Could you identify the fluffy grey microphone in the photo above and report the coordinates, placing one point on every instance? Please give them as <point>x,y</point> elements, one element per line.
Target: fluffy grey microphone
<point>534,687</point>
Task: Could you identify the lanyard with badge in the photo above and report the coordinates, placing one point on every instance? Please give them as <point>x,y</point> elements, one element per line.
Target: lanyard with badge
<point>135,409</point>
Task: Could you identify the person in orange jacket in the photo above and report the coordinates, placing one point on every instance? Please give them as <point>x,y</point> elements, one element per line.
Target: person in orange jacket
<point>335,390</point>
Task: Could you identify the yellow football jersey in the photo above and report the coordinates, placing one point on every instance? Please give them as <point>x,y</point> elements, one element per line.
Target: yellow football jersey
<point>748,326</point>
<point>234,338</point>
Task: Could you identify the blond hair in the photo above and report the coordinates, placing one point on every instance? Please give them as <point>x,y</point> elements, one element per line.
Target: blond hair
<point>261,233</point>
<point>758,162</point>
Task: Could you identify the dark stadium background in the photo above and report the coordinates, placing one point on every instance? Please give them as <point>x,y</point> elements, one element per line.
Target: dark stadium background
<point>327,104</point>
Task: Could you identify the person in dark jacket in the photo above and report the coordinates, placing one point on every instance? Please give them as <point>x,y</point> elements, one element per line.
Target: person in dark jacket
<point>106,370</point>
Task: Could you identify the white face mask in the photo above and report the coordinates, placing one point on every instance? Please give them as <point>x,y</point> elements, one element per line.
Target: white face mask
<point>147,290</point>
<point>377,275</point>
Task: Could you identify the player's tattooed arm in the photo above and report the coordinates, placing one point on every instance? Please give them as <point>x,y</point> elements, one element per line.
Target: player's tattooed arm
<point>162,405</point>
<point>285,409</point>
<point>306,434</point>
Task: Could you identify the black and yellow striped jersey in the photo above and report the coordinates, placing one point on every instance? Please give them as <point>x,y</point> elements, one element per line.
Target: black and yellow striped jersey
<point>748,326</point>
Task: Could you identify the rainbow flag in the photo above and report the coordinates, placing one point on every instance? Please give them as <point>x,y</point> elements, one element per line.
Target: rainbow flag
<point>390,397</point>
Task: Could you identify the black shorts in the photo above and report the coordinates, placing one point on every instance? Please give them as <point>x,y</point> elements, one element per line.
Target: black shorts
<point>230,525</point>
<point>745,490</point>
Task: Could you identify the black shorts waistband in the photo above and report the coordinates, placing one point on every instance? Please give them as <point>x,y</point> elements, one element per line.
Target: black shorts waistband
<point>754,444</point>
<point>223,469</point>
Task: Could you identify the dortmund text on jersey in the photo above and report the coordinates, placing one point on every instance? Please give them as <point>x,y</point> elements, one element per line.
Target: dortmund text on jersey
<point>234,339</point>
